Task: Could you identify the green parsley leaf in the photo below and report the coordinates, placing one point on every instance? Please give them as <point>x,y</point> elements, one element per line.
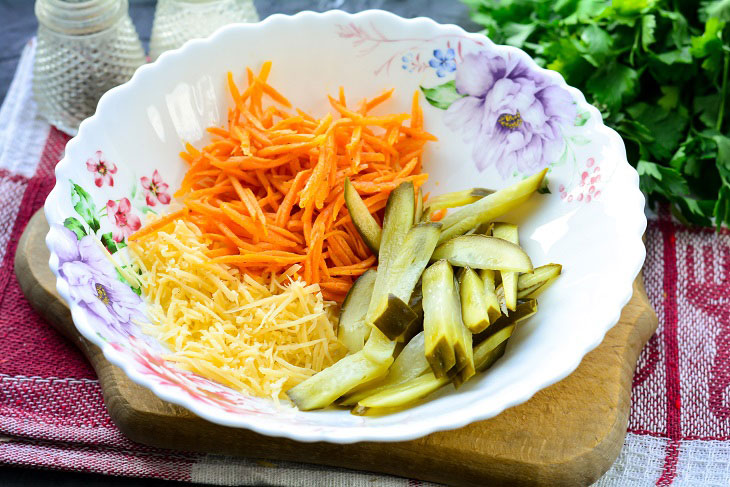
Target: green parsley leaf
<point>613,84</point>
<point>710,41</point>
<point>667,128</point>
<point>648,26</point>
<point>516,33</point>
<point>695,211</point>
<point>722,207</point>
<point>567,57</point>
<point>719,9</point>
<point>670,97</point>
<point>585,10</point>
<point>679,27</point>
<point>706,108</point>
<point>596,42</point>
<point>723,157</point>
<point>653,177</point>
<point>677,56</point>
<point>658,70</point>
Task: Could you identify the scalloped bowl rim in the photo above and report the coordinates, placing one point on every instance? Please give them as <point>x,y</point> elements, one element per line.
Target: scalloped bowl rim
<point>446,421</point>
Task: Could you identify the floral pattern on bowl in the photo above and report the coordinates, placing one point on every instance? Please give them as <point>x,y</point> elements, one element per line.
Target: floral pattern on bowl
<point>513,116</point>
<point>516,118</point>
<point>498,118</point>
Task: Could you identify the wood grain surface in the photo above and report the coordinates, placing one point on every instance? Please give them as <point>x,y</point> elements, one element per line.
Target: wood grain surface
<point>567,434</point>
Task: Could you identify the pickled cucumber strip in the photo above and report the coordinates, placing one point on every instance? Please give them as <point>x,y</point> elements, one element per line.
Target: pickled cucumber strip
<point>441,320</point>
<point>482,252</point>
<point>416,304</point>
<point>483,351</point>
<point>539,275</point>
<point>401,394</point>
<point>464,358</point>
<point>352,330</point>
<point>474,307</point>
<point>456,199</point>
<point>535,291</point>
<point>493,311</point>
<point>524,310</point>
<point>490,207</point>
<point>463,345</point>
<point>412,259</point>
<point>364,222</point>
<point>500,298</point>
<point>489,349</point>
<point>493,356</point>
<point>397,222</point>
<point>440,353</point>
<point>508,232</point>
<point>484,229</point>
<point>323,388</point>
<point>395,319</point>
<point>410,364</point>
<point>531,285</point>
<point>404,271</point>
<point>418,213</point>
<point>379,348</point>
<point>486,353</point>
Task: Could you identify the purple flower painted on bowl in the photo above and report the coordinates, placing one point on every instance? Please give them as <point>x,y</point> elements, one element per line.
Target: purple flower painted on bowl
<point>443,61</point>
<point>94,285</point>
<point>511,112</point>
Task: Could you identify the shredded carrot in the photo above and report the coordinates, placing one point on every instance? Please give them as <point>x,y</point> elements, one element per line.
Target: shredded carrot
<point>380,99</point>
<point>158,224</point>
<point>438,215</point>
<point>267,191</point>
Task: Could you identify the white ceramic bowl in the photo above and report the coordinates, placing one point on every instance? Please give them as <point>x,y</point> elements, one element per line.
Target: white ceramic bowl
<point>510,118</point>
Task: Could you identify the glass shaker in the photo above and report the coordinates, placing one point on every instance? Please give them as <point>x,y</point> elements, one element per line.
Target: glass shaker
<point>85,48</point>
<point>177,21</point>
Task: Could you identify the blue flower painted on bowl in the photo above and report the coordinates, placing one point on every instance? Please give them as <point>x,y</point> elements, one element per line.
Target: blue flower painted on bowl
<point>408,64</point>
<point>443,61</point>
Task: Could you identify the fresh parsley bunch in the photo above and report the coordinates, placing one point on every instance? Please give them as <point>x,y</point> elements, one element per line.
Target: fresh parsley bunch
<point>657,70</point>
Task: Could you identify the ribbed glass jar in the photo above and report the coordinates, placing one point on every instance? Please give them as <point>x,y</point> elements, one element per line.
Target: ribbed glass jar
<point>85,48</point>
<point>177,21</point>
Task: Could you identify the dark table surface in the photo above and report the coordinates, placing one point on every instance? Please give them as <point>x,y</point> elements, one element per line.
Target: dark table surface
<point>18,24</point>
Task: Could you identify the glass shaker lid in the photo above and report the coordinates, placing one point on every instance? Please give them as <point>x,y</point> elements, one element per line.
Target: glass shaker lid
<point>79,17</point>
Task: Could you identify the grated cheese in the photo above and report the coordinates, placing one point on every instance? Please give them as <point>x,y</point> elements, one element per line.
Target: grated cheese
<point>258,335</point>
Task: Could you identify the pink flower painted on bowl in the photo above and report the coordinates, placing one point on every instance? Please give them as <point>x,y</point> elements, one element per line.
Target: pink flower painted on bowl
<point>126,222</point>
<point>588,188</point>
<point>513,114</point>
<point>93,283</point>
<point>155,189</point>
<point>199,388</point>
<point>103,170</point>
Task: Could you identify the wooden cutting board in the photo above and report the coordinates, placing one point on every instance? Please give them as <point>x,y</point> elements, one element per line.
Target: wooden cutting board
<point>567,434</point>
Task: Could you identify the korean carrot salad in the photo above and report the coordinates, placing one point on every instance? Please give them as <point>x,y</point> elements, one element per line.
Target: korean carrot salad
<point>304,262</point>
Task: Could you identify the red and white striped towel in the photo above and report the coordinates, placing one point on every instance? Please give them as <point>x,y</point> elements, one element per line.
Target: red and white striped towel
<point>52,414</point>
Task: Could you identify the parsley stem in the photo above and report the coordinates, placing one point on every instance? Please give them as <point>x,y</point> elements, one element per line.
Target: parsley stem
<point>721,111</point>
<point>635,46</point>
